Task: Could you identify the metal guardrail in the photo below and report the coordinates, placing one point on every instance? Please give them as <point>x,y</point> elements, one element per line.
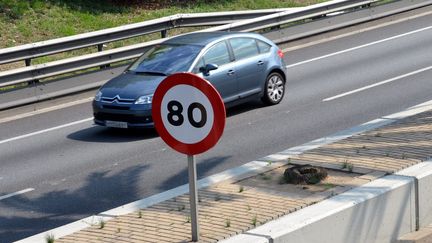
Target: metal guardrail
<point>98,38</point>
<point>309,21</point>
<point>337,20</point>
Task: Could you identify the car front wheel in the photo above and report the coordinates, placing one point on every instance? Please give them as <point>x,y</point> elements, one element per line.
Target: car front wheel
<point>274,89</point>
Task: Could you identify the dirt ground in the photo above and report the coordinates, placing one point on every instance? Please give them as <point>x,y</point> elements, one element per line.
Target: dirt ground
<point>272,180</point>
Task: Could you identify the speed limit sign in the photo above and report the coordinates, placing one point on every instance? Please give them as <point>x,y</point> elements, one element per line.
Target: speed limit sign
<point>188,113</point>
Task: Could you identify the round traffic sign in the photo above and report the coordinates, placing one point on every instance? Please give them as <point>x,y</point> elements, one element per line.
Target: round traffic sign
<point>188,113</point>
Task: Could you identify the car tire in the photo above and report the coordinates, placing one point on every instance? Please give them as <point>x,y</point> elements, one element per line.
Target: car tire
<point>274,89</point>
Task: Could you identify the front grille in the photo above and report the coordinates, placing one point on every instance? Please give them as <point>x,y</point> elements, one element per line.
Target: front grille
<point>123,117</point>
<point>117,99</point>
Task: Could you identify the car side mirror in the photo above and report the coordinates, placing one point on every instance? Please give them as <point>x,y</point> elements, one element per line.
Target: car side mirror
<point>207,68</point>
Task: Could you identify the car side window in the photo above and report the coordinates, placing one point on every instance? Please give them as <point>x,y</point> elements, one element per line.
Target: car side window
<point>217,54</point>
<point>244,47</point>
<point>263,47</point>
<point>199,64</point>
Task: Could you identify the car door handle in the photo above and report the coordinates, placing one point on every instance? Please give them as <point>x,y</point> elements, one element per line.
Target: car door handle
<point>260,63</point>
<point>231,72</point>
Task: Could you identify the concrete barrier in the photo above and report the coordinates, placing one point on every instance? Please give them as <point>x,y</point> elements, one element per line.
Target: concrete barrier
<point>423,174</point>
<point>379,211</point>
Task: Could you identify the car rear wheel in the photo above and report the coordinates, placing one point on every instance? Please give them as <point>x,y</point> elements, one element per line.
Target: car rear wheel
<point>274,89</point>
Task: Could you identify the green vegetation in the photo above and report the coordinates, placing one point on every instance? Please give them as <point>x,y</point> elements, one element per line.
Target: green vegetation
<point>26,21</point>
<point>29,21</point>
<point>265,177</point>
<point>249,208</point>
<point>329,185</point>
<point>350,167</point>
<point>254,220</point>
<point>347,166</point>
<point>227,223</point>
<point>241,189</point>
<point>101,224</point>
<point>49,238</point>
<point>181,207</point>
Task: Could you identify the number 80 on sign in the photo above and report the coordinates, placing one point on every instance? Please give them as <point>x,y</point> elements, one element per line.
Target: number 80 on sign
<point>188,113</point>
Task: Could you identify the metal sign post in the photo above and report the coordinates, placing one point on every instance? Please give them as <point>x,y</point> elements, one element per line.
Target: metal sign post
<point>193,197</point>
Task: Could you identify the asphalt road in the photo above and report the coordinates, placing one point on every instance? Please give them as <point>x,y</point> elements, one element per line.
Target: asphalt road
<point>66,173</point>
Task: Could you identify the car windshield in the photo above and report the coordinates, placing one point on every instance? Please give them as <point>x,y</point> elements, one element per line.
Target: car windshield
<point>166,59</point>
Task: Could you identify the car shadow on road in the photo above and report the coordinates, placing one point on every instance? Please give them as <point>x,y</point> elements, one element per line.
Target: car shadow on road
<point>204,168</point>
<point>25,215</point>
<point>245,107</point>
<point>98,134</point>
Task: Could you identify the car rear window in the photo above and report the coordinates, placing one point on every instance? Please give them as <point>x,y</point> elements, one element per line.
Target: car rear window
<point>263,47</point>
<point>166,59</point>
<point>244,47</point>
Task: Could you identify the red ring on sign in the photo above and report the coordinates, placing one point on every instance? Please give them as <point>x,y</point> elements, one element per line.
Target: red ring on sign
<point>215,100</point>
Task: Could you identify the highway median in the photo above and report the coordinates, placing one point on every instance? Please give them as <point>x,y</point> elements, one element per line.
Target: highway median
<point>375,191</point>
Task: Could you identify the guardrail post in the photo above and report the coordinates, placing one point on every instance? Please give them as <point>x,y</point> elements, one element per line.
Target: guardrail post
<point>31,82</point>
<point>164,33</point>
<point>100,48</point>
<point>276,27</point>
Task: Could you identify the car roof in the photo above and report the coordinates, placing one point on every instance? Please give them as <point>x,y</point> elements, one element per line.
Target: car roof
<point>204,38</point>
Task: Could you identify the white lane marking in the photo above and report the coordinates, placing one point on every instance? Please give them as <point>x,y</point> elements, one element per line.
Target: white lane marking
<point>16,193</point>
<point>354,32</point>
<point>48,109</point>
<point>45,130</point>
<point>377,84</point>
<point>359,47</point>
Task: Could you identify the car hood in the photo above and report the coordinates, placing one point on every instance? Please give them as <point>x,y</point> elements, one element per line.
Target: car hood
<point>131,86</point>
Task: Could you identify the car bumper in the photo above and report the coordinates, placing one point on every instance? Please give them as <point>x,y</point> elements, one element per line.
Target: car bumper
<point>134,118</point>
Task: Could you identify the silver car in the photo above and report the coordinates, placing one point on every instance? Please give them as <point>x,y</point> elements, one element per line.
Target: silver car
<point>241,66</point>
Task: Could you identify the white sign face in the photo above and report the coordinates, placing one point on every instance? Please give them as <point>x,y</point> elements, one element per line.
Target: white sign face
<point>187,114</point>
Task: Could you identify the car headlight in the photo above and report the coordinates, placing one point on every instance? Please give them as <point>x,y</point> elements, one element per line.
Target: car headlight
<point>146,99</point>
<point>98,96</point>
